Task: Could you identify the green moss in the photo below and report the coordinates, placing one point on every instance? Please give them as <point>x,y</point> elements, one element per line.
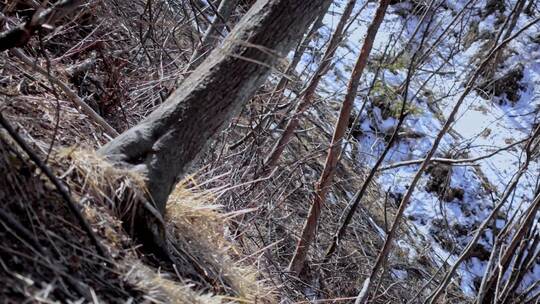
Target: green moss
<point>388,100</point>
<point>410,109</point>
<point>400,63</point>
<point>394,62</point>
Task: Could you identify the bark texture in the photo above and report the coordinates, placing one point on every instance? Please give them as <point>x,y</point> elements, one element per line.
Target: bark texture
<point>164,144</point>
<point>211,35</point>
<point>309,93</point>
<point>308,232</point>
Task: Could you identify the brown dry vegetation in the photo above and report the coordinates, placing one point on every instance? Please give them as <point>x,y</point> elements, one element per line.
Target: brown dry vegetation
<point>235,235</point>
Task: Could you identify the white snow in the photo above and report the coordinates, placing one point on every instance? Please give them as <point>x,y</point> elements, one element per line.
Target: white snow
<point>481,125</point>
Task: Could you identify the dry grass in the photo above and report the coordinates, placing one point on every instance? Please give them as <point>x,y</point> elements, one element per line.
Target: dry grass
<point>235,235</point>
<point>197,227</point>
<point>281,202</point>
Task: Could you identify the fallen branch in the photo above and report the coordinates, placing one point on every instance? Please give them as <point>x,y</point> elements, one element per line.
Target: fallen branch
<point>21,34</point>
<point>71,203</point>
<point>80,105</point>
<point>450,161</point>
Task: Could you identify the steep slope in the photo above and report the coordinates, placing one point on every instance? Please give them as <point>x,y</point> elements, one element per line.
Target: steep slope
<point>236,226</point>
<point>451,200</point>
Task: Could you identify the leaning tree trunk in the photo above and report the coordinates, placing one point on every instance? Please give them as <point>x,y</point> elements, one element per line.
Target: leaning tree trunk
<point>321,188</point>
<point>164,144</point>
<point>301,49</point>
<point>309,93</point>
<point>212,33</point>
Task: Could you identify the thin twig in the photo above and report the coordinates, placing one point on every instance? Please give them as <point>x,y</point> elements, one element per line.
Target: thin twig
<point>71,203</point>
<point>80,105</point>
<point>450,161</point>
<point>21,34</point>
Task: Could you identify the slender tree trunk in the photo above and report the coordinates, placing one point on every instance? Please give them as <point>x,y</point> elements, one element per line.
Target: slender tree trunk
<point>308,232</point>
<point>309,92</point>
<point>301,49</point>
<point>164,144</point>
<point>508,27</point>
<point>515,16</point>
<point>381,258</point>
<point>529,9</point>
<point>509,252</point>
<point>211,35</point>
<point>355,202</point>
<point>277,93</point>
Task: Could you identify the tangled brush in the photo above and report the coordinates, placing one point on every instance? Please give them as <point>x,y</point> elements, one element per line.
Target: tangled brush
<point>45,256</point>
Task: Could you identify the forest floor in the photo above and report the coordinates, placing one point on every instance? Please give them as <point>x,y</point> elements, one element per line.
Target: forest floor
<point>235,230</point>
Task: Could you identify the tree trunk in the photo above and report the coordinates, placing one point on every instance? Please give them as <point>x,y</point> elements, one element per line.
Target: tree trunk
<point>278,92</point>
<point>301,49</point>
<point>164,144</point>
<point>308,232</point>
<point>309,92</point>
<point>211,35</point>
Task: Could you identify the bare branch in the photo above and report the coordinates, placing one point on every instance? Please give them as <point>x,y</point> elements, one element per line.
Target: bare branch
<point>21,34</point>
<point>450,161</point>
<point>80,105</point>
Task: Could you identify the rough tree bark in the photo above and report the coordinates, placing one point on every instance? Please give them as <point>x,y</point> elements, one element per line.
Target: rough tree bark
<point>211,35</point>
<point>164,144</point>
<point>278,92</point>
<point>309,92</point>
<point>301,49</point>
<point>308,232</point>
